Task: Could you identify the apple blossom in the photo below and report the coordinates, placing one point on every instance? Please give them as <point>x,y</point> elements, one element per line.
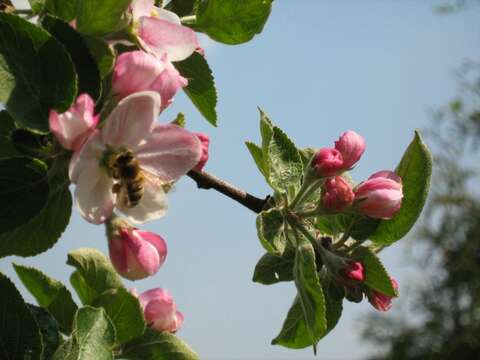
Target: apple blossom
<point>160,154</point>
<point>380,196</point>
<point>338,194</point>
<point>74,126</point>
<point>327,162</point>
<point>380,301</point>
<point>135,254</point>
<point>161,31</point>
<point>205,141</point>
<point>160,310</point>
<point>137,71</point>
<point>351,146</point>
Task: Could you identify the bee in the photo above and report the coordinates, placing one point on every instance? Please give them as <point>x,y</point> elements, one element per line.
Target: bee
<point>130,185</point>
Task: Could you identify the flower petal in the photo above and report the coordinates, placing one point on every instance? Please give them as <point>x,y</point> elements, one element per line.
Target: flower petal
<point>87,157</point>
<point>170,152</point>
<point>93,195</point>
<point>135,71</point>
<point>164,37</point>
<point>167,16</point>
<point>132,120</point>
<point>141,8</point>
<point>168,83</point>
<point>152,205</point>
<point>157,241</point>
<point>143,257</point>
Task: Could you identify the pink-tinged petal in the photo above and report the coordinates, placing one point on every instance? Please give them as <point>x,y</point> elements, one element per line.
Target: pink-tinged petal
<point>179,320</point>
<point>205,142</point>
<point>157,241</point>
<point>166,15</point>
<point>93,195</point>
<point>73,127</point>
<point>142,257</point>
<point>168,83</point>
<point>141,8</point>
<point>135,71</point>
<point>132,120</point>
<point>327,162</point>
<point>351,146</point>
<point>170,152</point>
<point>164,37</point>
<point>153,294</point>
<point>87,157</point>
<point>118,255</point>
<point>153,204</point>
<point>388,175</point>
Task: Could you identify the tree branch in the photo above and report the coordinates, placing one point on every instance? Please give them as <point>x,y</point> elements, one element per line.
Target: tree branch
<point>207,181</point>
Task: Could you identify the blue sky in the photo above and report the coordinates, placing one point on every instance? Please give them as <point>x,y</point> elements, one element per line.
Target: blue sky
<point>319,68</point>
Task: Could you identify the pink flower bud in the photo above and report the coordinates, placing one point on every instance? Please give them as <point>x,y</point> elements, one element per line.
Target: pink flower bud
<point>138,71</point>
<point>205,142</point>
<point>351,146</point>
<point>327,162</point>
<point>136,254</point>
<point>354,271</point>
<point>380,301</point>
<point>380,196</point>
<point>338,194</point>
<point>73,127</point>
<point>160,310</point>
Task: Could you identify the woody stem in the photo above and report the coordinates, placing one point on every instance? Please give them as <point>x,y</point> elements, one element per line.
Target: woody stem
<point>207,181</point>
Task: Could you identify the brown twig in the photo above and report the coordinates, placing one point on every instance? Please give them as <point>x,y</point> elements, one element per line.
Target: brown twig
<point>207,181</point>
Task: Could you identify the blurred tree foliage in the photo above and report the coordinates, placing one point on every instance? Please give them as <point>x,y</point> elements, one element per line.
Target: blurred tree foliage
<point>445,320</point>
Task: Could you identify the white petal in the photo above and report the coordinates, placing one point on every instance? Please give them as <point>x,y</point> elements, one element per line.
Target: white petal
<point>170,152</point>
<point>132,120</point>
<point>93,195</point>
<point>153,204</point>
<point>168,16</point>
<point>87,157</point>
<point>141,8</point>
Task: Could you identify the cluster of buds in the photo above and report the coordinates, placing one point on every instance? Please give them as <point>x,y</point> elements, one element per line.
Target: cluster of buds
<point>350,275</point>
<point>379,197</point>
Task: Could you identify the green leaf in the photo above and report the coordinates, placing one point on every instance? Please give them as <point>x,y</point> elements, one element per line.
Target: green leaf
<point>125,312</point>
<point>48,326</point>
<point>376,277</point>
<point>285,167</point>
<point>50,294</point>
<point>272,269</point>
<point>43,230</point>
<point>37,5</point>
<point>333,307</point>
<point>7,125</point>
<point>19,333</point>
<point>100,17</point>
<point>36,73</point>
<point>266,131</point>
<point>88,75</point>
<point>96,269</point>
<point>158,346</point>
<point>232,21</point>
<point>306,321</point>
<point>306,155</point>
<point>270,230</point>
<point>64,9</point>
<point>93,337</point>
<point>257,155</point>
<point>415,169</point>
<point>86,294</point>
<point>23,191</point>
<point>201,85</point>
<point>103,54</point>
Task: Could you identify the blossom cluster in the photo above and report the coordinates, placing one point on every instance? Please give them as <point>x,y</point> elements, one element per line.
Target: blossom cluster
<point>378,197</point>
<point>124,164</point>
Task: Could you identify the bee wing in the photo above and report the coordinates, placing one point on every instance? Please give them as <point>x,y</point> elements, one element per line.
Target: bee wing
<point>154,181</point>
